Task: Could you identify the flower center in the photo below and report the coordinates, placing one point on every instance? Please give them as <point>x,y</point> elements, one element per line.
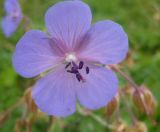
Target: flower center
<point>71,57</point>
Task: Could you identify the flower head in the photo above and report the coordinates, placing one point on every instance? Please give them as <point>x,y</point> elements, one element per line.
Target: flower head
<point>13,17</point>
<point>71,56</point>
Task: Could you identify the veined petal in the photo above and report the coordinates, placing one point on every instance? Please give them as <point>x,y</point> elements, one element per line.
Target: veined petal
<point>100,86</point>
<point>55,94</point>
<point>106,42</point>
<point>10,24</point>
<point>33,54</point>
<point>68,21</point>
<point>12,6</point>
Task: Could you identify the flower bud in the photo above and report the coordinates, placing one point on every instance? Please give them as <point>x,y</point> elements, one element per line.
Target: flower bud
<point>17,127</point>
<point>127,90</point>
<point>20,123</point>
<point>120,126</point>
<point>112,106</point>
<point>138,127</point>
<point>29,101</point>
<point>129,59</point>
<point>3,117</point>
<point>144,97</point>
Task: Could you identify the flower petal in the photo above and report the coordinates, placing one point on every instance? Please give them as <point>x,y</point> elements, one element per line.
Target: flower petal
<point>68,21</point>
<point>12,6</point>
<point>33,54</point>
<point>106,42</point>
<point>100,87</point>
<point>55,94</point>
<point>10,24</point>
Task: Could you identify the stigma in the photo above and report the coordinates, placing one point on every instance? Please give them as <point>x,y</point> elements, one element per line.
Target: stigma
<point>70,57</point>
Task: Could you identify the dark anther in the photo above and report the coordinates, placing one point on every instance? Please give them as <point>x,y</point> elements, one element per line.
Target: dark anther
<point>68,65</point>
<point>78,76</point>
<point>87,70</point>
<point>81,64</point>
<point>70,71</point>
<point>74,70</point>
<point>74,65</point>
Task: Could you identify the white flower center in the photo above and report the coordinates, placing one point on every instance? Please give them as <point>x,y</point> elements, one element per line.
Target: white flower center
<point>70,57</point>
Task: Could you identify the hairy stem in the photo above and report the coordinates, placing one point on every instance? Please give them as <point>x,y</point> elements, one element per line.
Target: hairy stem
<point>131,82</point>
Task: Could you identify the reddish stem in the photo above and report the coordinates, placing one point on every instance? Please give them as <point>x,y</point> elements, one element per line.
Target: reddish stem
<point>132,83</point>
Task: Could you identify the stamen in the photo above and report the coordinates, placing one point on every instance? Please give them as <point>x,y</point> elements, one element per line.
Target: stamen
<point>74,65</point>
<point>74,70</point>
<point>69,71</point>
<point>87,70</point>
<point>78,76</point>
<point>81,64</point>
<point>67,65</point>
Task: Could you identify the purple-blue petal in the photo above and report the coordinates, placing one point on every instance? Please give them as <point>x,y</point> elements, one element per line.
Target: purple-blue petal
<point>13,17</point>
<point>100,86</point>
<point>68,21</point>
<point>106,42</point>
<point>10,24</point>
<point>33,54</point>
<point>55,94</point>
<point>11,6</point>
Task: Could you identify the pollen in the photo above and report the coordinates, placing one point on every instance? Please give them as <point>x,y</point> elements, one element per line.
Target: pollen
<point>71,57</point>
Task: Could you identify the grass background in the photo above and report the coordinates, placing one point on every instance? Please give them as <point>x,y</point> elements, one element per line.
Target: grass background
<point>141,21</point>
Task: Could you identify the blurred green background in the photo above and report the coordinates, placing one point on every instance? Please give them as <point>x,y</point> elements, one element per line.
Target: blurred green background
<point>141,21</point>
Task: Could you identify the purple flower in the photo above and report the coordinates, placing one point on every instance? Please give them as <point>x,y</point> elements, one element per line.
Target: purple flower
<point>13,17</point>
<point>71,58</point>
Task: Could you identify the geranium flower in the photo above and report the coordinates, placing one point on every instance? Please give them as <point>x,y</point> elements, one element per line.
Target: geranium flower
<point>71,57</point>
<point>13,17</point>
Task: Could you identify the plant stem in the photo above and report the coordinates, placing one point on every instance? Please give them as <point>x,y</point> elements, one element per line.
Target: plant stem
<point>128,108</point>
<point>95,117</point>
<point>50,124</point>
<point>131,82</point>
<point>10,109</point>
